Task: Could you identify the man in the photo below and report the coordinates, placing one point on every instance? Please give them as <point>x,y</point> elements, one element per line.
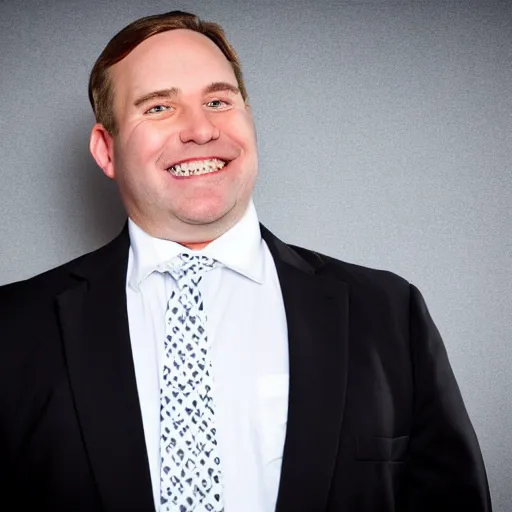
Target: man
<point>197,362</point>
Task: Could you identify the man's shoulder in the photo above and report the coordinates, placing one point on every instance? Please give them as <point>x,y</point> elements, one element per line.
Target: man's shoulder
<point>56,279</point>
<point>47,283</point>
<point>359,278</point>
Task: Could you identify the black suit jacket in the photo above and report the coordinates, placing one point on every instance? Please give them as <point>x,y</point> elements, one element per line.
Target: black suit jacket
<point>375,421</point>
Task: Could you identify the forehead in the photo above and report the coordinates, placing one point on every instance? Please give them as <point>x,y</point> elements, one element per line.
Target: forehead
<point>176,58</point>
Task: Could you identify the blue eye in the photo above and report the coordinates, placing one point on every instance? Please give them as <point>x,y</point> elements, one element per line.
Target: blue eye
<point>157,109</point>
<point>217,101</point>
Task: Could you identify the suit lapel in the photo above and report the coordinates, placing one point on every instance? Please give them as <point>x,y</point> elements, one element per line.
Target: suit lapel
<point>95,331</point>
<point>317,318</point>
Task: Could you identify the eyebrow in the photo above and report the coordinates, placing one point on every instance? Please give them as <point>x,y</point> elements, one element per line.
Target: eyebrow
<point>175,91</point>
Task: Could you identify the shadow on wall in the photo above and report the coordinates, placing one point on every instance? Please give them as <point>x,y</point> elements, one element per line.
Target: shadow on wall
<point>93,211</point>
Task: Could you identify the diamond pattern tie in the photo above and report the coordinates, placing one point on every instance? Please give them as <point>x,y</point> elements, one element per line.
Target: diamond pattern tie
<point>190,475</point>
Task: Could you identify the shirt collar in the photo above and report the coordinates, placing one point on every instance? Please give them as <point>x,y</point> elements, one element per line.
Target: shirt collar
<point>239,248</point>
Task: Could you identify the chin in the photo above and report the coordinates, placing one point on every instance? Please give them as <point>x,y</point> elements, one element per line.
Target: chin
<point>205,214</point>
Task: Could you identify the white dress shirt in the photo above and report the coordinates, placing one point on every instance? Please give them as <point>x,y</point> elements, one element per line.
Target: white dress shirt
<point>247,326</point>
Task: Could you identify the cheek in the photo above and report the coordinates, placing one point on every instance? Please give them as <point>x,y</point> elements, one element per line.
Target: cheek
<point>244,135</point>
<point>239,125</point>
<point>145,143</point>
<point>250,134</point>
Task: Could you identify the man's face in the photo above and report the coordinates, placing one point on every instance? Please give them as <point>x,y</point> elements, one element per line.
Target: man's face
<point>176,100</point>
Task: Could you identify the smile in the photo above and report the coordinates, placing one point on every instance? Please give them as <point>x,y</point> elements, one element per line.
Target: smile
<point>197,167</point>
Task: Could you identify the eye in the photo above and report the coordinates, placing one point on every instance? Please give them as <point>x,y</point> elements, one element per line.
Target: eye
<point>216,104</point>
<point>157,109</point>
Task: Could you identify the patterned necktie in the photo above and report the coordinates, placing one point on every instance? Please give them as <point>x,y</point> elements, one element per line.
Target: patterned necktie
<point>190,475</point>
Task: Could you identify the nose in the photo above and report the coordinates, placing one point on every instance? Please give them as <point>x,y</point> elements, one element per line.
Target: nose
<point>197,127</point>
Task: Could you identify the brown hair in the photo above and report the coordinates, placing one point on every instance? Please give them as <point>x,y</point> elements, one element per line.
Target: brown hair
<point>100,83</point>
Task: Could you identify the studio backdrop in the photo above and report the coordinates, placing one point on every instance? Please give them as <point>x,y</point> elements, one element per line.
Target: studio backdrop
<point>385,137</point>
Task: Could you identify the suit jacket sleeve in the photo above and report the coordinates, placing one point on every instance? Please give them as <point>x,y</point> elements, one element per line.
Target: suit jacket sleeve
<point>445,470</point>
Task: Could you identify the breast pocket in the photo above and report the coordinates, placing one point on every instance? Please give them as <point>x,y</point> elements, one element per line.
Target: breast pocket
<point>382,449</point>
<point>272,416</point>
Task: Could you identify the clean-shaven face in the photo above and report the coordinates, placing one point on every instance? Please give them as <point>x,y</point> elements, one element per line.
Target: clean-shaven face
<point>185,155</point>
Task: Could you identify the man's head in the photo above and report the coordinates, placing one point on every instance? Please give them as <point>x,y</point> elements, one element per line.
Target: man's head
<point>166,90</point>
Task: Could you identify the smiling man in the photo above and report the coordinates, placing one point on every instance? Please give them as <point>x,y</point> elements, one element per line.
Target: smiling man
<point>197,362</point>
<point>184,148</point>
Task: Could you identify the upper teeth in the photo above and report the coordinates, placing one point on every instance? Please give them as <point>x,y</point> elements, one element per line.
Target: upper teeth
<point>197,167</point>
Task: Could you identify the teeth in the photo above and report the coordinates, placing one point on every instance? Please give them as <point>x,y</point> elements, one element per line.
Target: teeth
<point>197,167</point>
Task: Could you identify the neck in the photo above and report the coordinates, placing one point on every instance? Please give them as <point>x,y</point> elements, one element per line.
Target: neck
<point>195,246</point>
<point>173,229</point>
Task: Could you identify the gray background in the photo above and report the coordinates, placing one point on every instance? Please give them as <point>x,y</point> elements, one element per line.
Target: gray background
<point>385,139</point>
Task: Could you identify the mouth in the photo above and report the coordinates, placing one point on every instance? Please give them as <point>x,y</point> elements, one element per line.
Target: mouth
<point>197,167</point>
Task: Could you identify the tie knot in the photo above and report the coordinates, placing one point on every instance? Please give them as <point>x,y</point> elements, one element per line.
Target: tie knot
<point>186,266</point>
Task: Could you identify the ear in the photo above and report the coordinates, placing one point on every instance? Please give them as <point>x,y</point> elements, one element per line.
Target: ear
<point>101,146</point>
